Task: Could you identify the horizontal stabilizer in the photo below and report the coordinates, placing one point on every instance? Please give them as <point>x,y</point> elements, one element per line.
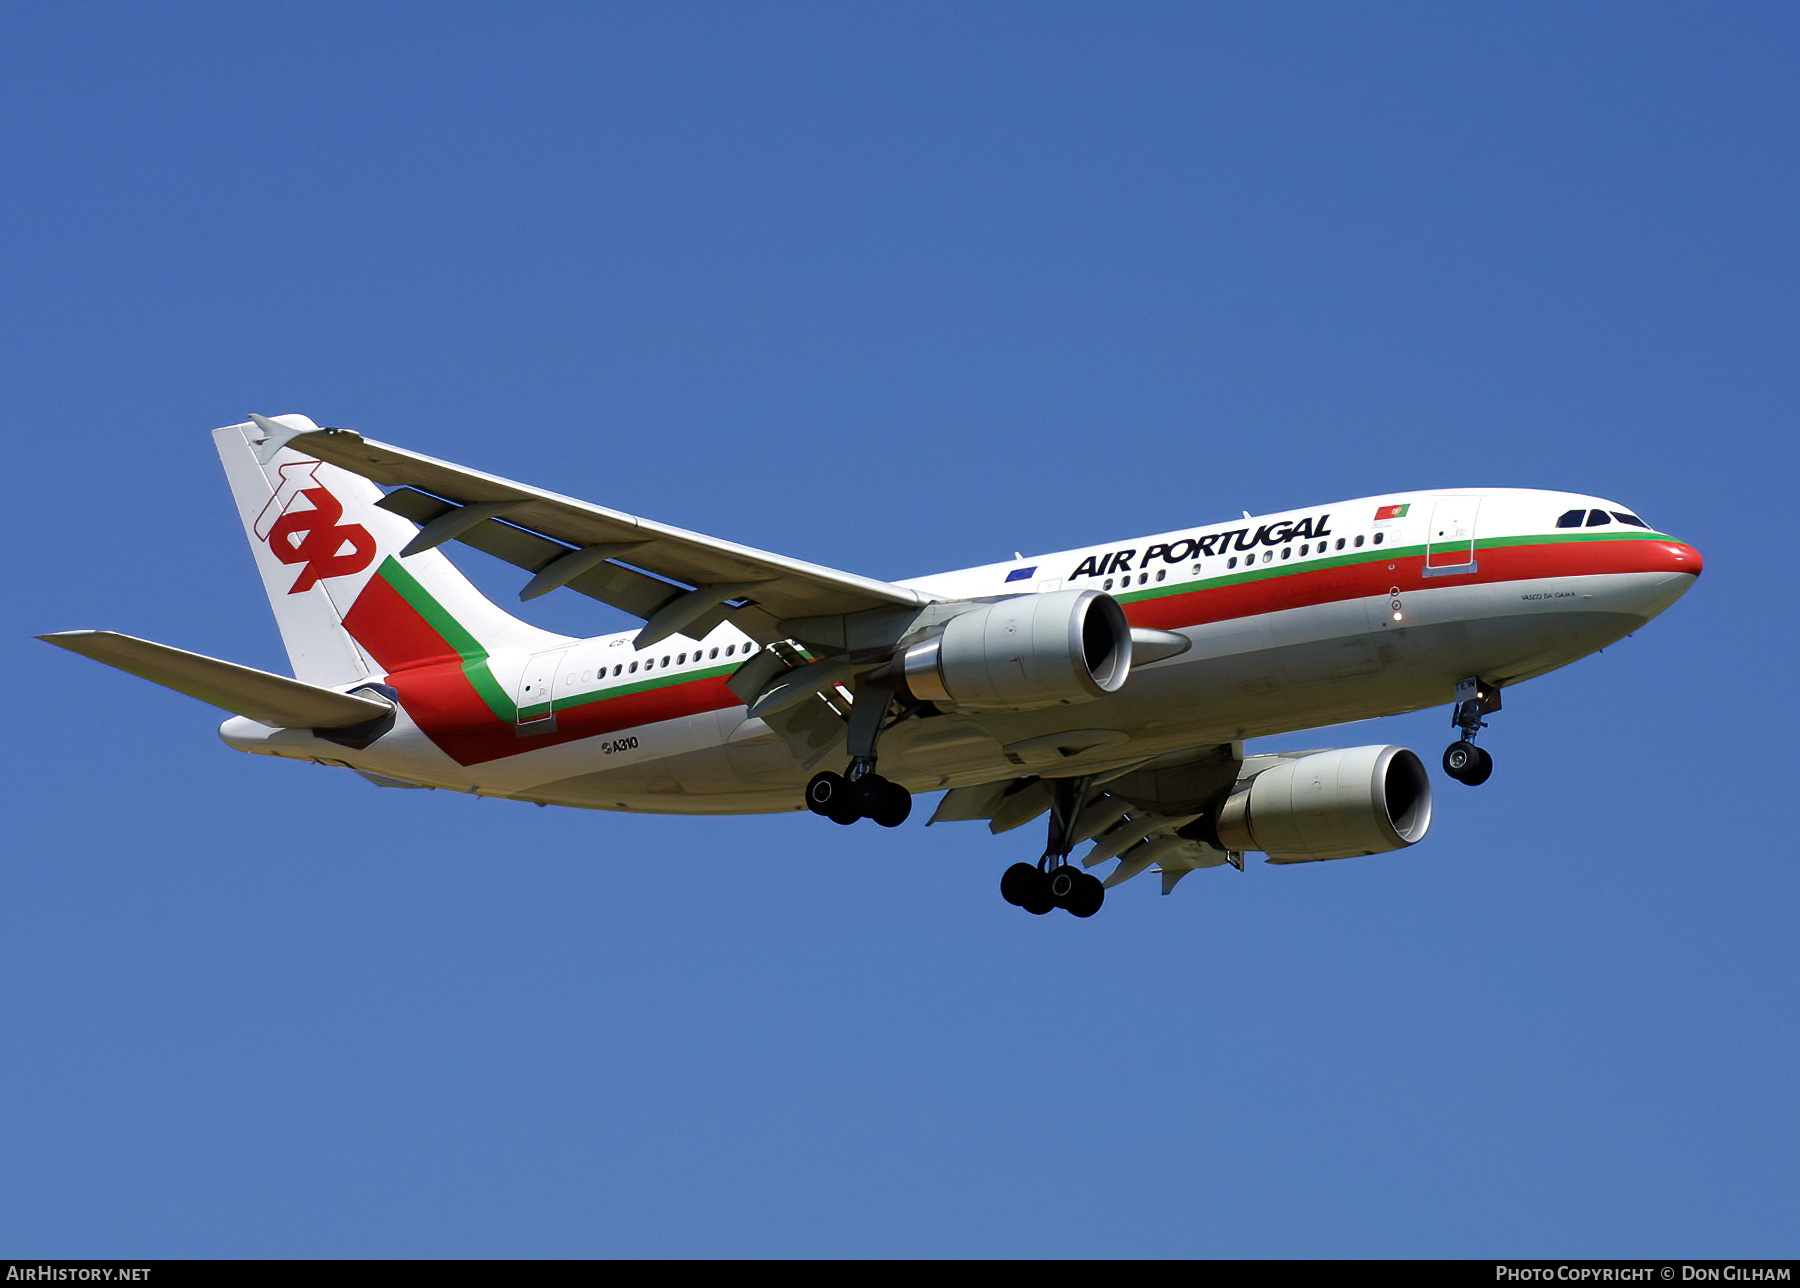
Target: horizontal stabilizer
<point>262,696</point>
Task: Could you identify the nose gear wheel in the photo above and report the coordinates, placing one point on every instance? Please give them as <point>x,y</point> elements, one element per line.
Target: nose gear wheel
<point>1463,760</point>
<point>1467,763</point>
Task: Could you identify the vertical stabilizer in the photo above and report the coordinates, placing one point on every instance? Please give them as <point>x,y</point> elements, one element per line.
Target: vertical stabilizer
<point>348,605</point>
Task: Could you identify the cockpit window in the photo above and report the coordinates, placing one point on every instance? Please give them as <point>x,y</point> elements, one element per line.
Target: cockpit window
<point>1571,519</point>
<point>1597,518</point>
<point>1632,519</point>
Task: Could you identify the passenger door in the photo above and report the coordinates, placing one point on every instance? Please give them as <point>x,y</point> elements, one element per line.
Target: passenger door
<point>1450,541</point>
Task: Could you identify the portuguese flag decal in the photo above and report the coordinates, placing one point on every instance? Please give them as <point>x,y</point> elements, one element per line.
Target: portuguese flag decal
<point>1391,512</point>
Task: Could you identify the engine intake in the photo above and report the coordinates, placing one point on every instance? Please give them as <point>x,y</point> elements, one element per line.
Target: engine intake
<point>1330,805</point>
<point>1019,654</point>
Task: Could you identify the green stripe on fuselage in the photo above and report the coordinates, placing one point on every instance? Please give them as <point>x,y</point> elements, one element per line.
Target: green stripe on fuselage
<point>641,686</point>
<point>1374,554</point>
<point>474,656</point>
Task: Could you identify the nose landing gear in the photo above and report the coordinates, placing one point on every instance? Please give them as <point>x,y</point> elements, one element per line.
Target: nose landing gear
<point>1052,882</point>
<point>1463,760</point>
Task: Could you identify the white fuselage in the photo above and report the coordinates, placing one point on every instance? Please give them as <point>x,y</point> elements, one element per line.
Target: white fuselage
<point>1307,618</point>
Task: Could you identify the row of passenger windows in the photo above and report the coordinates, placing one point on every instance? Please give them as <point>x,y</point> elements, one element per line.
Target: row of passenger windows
<point>1268,556</point>
<point>1287,552</point>
<point>658,664</point>
<point>1598,519</point>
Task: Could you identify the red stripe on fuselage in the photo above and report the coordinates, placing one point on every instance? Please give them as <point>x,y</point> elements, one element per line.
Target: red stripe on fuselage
<point>393,632</point>
<point>1376,576</point>
<point>630,711</point>
<point>444,704</point>
<point>428,675</point>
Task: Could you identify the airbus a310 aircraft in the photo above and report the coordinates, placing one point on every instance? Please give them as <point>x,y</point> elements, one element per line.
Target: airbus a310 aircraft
<point>1110,687</point>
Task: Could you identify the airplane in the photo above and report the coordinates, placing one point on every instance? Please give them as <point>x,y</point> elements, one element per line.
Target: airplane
<point>1111,688</point>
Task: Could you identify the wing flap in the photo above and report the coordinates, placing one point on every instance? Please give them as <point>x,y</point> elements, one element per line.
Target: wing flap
<point>623,588</point>
<point>267,698</point>
<point>784,587</point>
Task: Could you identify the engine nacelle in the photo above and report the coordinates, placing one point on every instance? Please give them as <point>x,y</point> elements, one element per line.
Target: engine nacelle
<point>1019,654</point>
<point>1330,805</point>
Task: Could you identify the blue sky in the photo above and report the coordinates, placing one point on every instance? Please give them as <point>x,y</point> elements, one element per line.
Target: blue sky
<point>897,289</point>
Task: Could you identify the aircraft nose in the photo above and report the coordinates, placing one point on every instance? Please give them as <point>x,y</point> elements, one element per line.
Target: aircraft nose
<point>1674,566</point>
<point>1677,556</point>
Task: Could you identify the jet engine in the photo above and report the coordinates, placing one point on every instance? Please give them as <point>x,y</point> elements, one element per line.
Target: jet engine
<point>1330,805</point>
<point>1019,654</point>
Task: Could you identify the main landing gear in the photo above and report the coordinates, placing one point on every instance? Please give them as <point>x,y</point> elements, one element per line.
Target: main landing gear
<point>1463,760</point>
<point>1053,882</point>
<point>860,792</point>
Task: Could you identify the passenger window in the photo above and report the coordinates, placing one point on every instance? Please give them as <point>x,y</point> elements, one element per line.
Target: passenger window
<point>1632,519</point>
<point>665,661</point>
<point>1143,577</point>
<point>730,649</point>
<point>1161,573</point>
<point>1571,519</point>
<point>1379,537</point>
<point>713,654</point>
<point>749,649</point>
<point>1340,544</point>
<point>1108,585</point>
<point>1596,518</point>
<point>634,668</point>
<point>1268,555</point>
<point>682,660</point>
<point>1287,552</point>
<point>1359,543</point>
<point>1303,549</point>
<point>617,669</point>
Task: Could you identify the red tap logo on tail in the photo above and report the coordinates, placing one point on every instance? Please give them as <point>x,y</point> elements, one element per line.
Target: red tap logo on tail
<point>312,537</point>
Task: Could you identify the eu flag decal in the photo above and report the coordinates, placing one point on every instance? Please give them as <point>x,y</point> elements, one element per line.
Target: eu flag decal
<point>1020,574</point>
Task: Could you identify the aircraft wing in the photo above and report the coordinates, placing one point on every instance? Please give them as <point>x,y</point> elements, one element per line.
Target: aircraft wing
<point>680,582</point>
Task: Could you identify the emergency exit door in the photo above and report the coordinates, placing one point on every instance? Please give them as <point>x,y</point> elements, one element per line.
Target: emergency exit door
<point>533,705</point>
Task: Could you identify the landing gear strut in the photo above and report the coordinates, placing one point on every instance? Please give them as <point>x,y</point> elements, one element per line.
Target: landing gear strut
<point>1463,760</point>
<point>860,792</point>
<point>1052,882</point>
